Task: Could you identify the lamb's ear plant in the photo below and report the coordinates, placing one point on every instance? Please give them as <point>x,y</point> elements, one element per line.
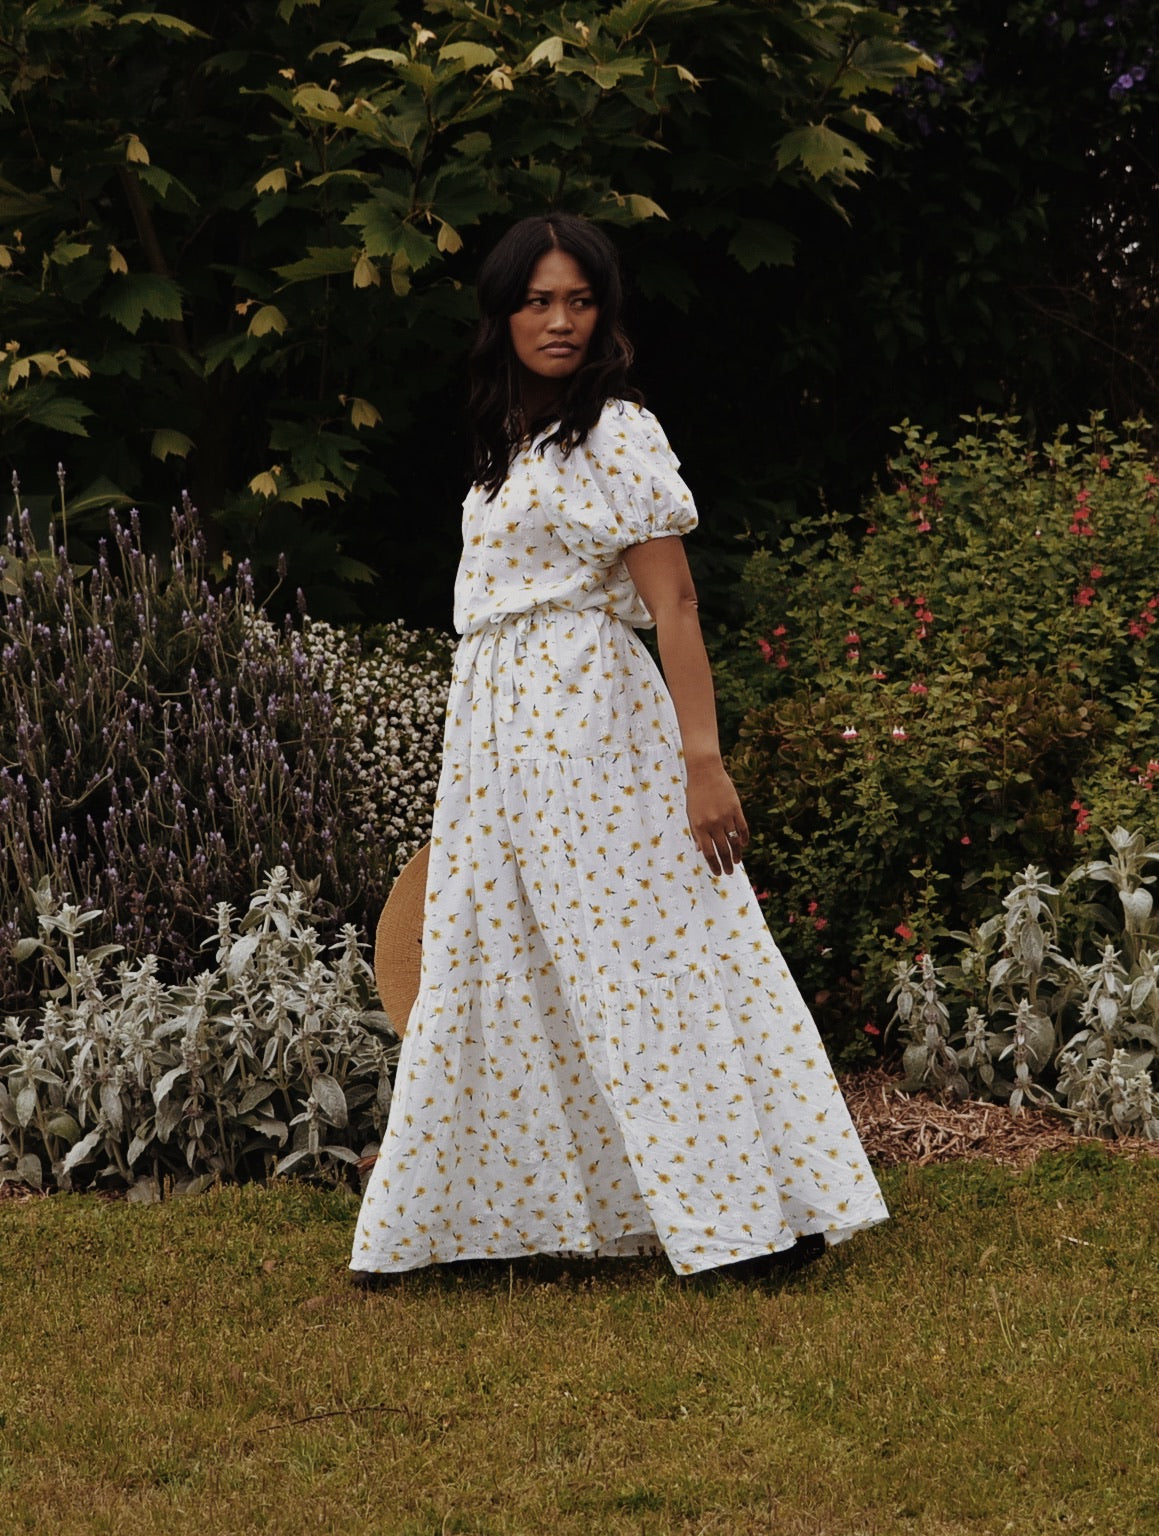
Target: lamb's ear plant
<point>1067,1024</point>
<point>273,1059</point>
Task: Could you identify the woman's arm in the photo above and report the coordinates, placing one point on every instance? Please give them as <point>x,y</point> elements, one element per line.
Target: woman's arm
<point>660,572</point>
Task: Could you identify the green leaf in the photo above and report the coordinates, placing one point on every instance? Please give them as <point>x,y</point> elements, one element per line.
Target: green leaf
<point>822,151</point>
<point>312,490</point>
<point>322,261</point>
<point>130,298</point>
<point>18,204</point>
<point>606,76</point>
<point>311,98</point>
<point>549,51</point>
<point>759,243</point>
<point>469,55</point>
<point>378,55</point>
<point>162,21</point>
<point>165,184</point>
<point>166,441</point>
<point>65,252</point>
<point>268,318</point>
<point>60,413</point>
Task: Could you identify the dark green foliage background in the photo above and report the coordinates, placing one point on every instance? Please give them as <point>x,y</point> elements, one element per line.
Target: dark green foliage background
<point>994,254</point>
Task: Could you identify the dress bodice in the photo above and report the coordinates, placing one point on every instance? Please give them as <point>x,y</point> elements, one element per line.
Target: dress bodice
<point>555,534</point>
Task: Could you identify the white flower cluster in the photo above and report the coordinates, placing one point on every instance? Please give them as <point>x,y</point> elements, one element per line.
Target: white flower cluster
<point>390,704</point>
<point>393,701</point>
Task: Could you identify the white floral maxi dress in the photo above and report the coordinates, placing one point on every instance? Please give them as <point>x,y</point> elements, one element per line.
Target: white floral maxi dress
<point>607,1053</point>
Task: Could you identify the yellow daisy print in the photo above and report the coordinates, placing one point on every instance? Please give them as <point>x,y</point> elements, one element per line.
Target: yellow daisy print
<point>607,1054</point>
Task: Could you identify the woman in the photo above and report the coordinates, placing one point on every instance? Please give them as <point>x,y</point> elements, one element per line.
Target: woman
<point>607,1054</point>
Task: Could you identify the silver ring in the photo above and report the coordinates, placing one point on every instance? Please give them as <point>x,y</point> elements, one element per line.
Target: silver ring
<point>732,836</point>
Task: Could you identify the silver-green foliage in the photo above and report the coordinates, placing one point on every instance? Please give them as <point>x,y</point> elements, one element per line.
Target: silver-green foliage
<point>271,1059</point>
<point>1046,1023</point>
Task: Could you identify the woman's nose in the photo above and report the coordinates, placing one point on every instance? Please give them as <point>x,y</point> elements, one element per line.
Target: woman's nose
<point>560,318</point>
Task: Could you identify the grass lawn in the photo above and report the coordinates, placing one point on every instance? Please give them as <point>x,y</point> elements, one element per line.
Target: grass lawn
<point>986,1362</point>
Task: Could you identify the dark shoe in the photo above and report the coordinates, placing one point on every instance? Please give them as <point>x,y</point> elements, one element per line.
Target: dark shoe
<point>806,1250</point>
<point>368,1280</point>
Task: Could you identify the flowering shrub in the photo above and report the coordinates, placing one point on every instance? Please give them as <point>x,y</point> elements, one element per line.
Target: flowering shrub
<point>270,1060</point>
<point>1081,1016</point>
<point>161,743</point>
<point>926,701</point>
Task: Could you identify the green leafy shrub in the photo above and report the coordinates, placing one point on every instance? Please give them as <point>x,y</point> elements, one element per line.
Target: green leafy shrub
<point>269,1060</point>
<point>1056,995</point>
<point>161,744</point>
<point>928,699</point>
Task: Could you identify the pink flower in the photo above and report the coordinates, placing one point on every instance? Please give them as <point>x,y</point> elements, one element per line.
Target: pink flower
<point>1104,462</point>
<point>779,631</point>
<point>852,638</point>
<point>1082,597</point>
<point>918,688</point>
<point>923,527</point>
<point>872,528</point>
<point>878,674</point>
<point>1096,573</point>
<point>872,1029</point>
<point>765,649</point>
<point>820,923</point>
<point>1082,817</point>
<point>966,840</point>
<point>811,908</point>
<point>849,733</point>
<point>761,895</point>
<point>899,733</point>
<point>904,932</point>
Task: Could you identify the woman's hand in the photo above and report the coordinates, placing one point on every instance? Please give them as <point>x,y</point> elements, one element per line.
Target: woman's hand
<point>716,818</point>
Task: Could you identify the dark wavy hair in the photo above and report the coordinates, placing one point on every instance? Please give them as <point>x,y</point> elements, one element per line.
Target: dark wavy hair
<point>494,406</point>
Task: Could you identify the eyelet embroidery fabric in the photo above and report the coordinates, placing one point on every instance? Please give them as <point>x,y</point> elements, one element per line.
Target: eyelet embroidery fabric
<point>607,1054</point>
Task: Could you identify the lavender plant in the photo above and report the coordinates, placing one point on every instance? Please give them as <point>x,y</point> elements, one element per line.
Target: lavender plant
<point>161,743</point>
<point>271,1059</point>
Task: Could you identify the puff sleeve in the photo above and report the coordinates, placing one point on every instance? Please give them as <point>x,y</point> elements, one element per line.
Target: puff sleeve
<point>623,487</point>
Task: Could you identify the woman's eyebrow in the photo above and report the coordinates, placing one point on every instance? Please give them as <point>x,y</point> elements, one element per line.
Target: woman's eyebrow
<point>571,292</point>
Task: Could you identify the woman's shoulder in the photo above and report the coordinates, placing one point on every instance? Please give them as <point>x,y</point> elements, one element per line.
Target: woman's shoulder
<point>626,427</point>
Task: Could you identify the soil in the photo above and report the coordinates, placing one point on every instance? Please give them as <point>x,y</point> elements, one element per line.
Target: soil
<point>922,1128</point>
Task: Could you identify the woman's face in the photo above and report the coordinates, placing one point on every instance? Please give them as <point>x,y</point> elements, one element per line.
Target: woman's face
<point>552,329</point>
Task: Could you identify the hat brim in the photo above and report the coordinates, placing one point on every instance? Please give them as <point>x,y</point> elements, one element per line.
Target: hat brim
<point>398,941</point>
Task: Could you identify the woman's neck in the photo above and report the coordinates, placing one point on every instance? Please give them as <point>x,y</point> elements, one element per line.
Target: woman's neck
<point>539,399</point>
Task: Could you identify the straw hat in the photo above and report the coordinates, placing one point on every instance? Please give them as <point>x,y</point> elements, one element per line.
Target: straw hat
<point>398,941</point>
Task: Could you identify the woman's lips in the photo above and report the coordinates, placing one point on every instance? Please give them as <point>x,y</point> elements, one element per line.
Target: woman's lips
<point>559,348</point>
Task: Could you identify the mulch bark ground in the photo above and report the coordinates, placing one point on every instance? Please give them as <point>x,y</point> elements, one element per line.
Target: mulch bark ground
<point>916,1128</point>
<point>922,1128</point>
